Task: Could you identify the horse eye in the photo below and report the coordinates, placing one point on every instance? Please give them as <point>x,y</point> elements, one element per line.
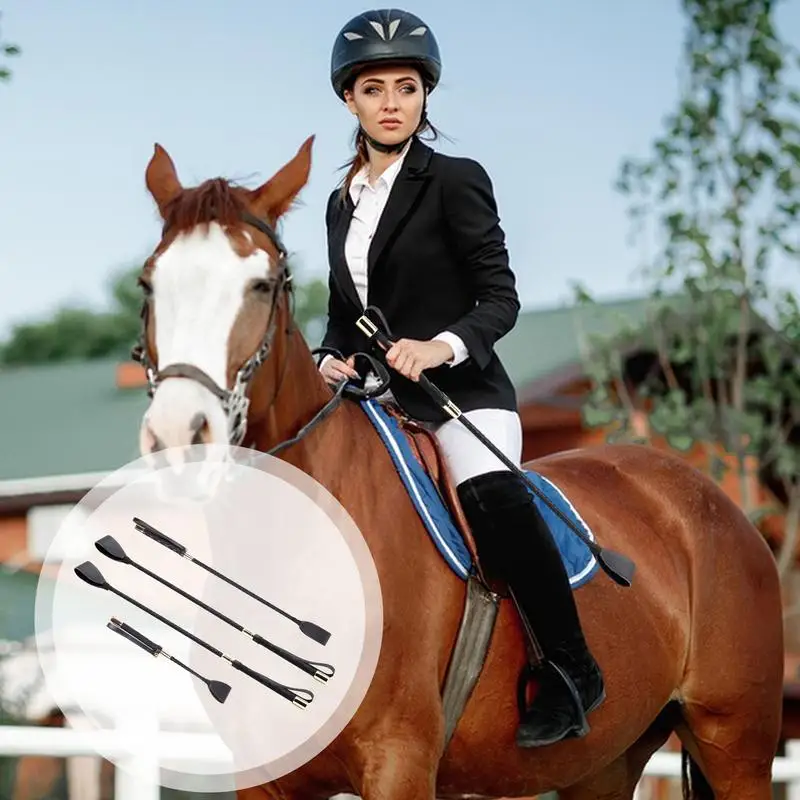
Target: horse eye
<point>145,286</point>
<point>262,286</point>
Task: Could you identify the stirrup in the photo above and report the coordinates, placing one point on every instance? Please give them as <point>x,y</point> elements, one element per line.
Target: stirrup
<point>574,717</point>
<point>565,684</point>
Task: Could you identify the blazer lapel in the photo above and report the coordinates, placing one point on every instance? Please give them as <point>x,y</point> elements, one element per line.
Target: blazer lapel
<point>405,192</point>
<point>341,272</point>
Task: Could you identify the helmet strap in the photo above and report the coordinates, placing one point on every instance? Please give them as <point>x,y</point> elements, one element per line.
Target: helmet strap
<point>384,148</point>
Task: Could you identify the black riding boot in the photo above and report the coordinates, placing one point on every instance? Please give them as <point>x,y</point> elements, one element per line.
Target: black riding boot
<point>516,546</point>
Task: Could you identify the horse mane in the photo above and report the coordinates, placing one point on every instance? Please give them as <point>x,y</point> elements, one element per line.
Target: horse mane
<point>214,200</point>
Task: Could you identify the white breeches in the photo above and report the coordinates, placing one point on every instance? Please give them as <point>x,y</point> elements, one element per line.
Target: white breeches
<point>467,456</point>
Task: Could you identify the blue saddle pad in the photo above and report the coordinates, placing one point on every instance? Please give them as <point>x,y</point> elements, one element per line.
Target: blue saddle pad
<point>581,565</point>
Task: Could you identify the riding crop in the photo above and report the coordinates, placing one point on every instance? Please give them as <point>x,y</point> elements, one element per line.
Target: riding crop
<point>315,632</point>
<point>89,573</point>
<point>111,548</point>
<point>219,690</point>
<point>619,567</point>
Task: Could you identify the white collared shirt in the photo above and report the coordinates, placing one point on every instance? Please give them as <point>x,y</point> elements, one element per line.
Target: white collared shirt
<point>369,202</point>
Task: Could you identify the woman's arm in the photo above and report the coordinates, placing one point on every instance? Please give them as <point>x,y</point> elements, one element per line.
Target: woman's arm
<point>470,211</point>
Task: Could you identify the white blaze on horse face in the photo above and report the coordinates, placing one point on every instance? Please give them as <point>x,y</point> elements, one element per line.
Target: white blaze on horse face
<point>199,284</point>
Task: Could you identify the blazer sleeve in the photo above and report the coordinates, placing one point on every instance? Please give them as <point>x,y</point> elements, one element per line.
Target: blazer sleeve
<point>337,332</point>
<point>470,211</point>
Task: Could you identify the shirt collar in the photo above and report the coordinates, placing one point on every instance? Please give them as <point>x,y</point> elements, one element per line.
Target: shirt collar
<point>386,179</point>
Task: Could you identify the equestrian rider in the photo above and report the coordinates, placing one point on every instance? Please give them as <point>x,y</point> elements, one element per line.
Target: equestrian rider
<point>416,233</point>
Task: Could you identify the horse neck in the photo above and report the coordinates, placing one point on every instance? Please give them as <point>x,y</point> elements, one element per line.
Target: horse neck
<point>345,455</point>
<point>289,390</point>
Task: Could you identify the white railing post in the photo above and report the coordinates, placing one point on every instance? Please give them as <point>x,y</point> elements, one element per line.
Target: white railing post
<point>793,754</point>
<point>137,773</point>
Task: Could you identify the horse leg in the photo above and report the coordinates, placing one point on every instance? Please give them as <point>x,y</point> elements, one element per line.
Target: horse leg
<point>619,779</point>
<point>390,760</point>
<point>397,756</point>
<point>731,715</point>
<point>402,767</point>
<point>731,693</point>
<point>729,757</point>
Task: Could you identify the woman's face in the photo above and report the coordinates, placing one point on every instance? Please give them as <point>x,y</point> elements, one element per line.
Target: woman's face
<point>388,102</point>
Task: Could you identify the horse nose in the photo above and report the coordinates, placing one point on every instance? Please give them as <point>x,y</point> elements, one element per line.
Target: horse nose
<point>151,441</point>
<point>200,429</point>
<point>182,414</point>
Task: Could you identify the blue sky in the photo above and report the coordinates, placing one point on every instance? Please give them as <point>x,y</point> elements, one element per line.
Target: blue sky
<point>549,96</point>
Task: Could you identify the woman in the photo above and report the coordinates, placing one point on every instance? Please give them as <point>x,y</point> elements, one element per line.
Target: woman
<point>416,233</point>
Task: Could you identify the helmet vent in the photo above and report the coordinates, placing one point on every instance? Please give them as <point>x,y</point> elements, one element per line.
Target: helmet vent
<point>379,28</point>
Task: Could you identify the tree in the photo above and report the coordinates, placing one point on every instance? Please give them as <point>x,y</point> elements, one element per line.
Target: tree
<point>311,309</point>
<point>80,332</point>
<point>9,51</point>
<point>720,197</point>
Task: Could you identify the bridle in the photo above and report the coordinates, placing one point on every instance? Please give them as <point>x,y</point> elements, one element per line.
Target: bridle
<point>235,401</point>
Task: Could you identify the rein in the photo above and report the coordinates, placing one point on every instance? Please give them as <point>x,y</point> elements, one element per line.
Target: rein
<point>235,401</point>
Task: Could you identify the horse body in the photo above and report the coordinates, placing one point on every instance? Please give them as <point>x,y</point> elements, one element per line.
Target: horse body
<point>695,645</point>
<point>678,648</point>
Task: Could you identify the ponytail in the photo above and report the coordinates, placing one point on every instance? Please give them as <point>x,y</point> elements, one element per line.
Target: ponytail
<point>356,163</point>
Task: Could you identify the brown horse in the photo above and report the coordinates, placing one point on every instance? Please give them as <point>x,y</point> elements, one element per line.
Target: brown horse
<point>695,646</point>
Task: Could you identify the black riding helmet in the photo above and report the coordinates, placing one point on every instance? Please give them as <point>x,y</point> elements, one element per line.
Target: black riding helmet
<point>384,35</point>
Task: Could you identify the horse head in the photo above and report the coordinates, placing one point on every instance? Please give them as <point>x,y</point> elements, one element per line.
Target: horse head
<point>216,302</point>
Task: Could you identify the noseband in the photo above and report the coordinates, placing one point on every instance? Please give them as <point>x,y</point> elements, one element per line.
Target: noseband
<point>235,401</point>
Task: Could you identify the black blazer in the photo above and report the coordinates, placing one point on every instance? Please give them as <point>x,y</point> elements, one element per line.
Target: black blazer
<point>437,261</point>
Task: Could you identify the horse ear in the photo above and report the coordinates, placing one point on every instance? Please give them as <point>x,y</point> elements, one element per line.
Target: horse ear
<point>161,178</point>
<point>275,197</point>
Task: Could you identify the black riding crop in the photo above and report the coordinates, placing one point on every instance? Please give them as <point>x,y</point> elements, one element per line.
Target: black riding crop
<point>619,567</point>
<point>219,690</point>
<point>110,547</point>
<point>315,632</point>
<point>89,573</point>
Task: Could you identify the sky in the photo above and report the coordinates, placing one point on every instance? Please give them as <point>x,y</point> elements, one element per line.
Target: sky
<point>548,96</point>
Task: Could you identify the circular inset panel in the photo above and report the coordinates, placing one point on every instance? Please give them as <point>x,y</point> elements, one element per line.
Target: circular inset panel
<point>253,520</point>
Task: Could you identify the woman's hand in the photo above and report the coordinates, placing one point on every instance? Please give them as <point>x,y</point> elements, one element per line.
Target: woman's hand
<point>334,370</point>
<point>411,356</point>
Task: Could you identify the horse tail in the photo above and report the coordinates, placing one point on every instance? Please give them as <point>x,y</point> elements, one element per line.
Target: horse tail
<point>693,783</point>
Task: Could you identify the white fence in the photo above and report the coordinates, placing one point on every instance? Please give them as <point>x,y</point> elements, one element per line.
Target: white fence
<point>138,753</point>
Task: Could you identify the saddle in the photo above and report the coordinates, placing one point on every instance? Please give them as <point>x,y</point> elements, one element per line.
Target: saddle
<point>373,381</point>
<point>428,452</point>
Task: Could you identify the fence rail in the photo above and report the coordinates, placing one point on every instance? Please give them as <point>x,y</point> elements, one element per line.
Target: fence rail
<point>137,755</point>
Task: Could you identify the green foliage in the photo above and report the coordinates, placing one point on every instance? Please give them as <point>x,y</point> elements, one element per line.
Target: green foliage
<point>311,308</point>
<point>79,332</point>
<point>82,333</point>
<point>7,50</point>
<point>720,197</point>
